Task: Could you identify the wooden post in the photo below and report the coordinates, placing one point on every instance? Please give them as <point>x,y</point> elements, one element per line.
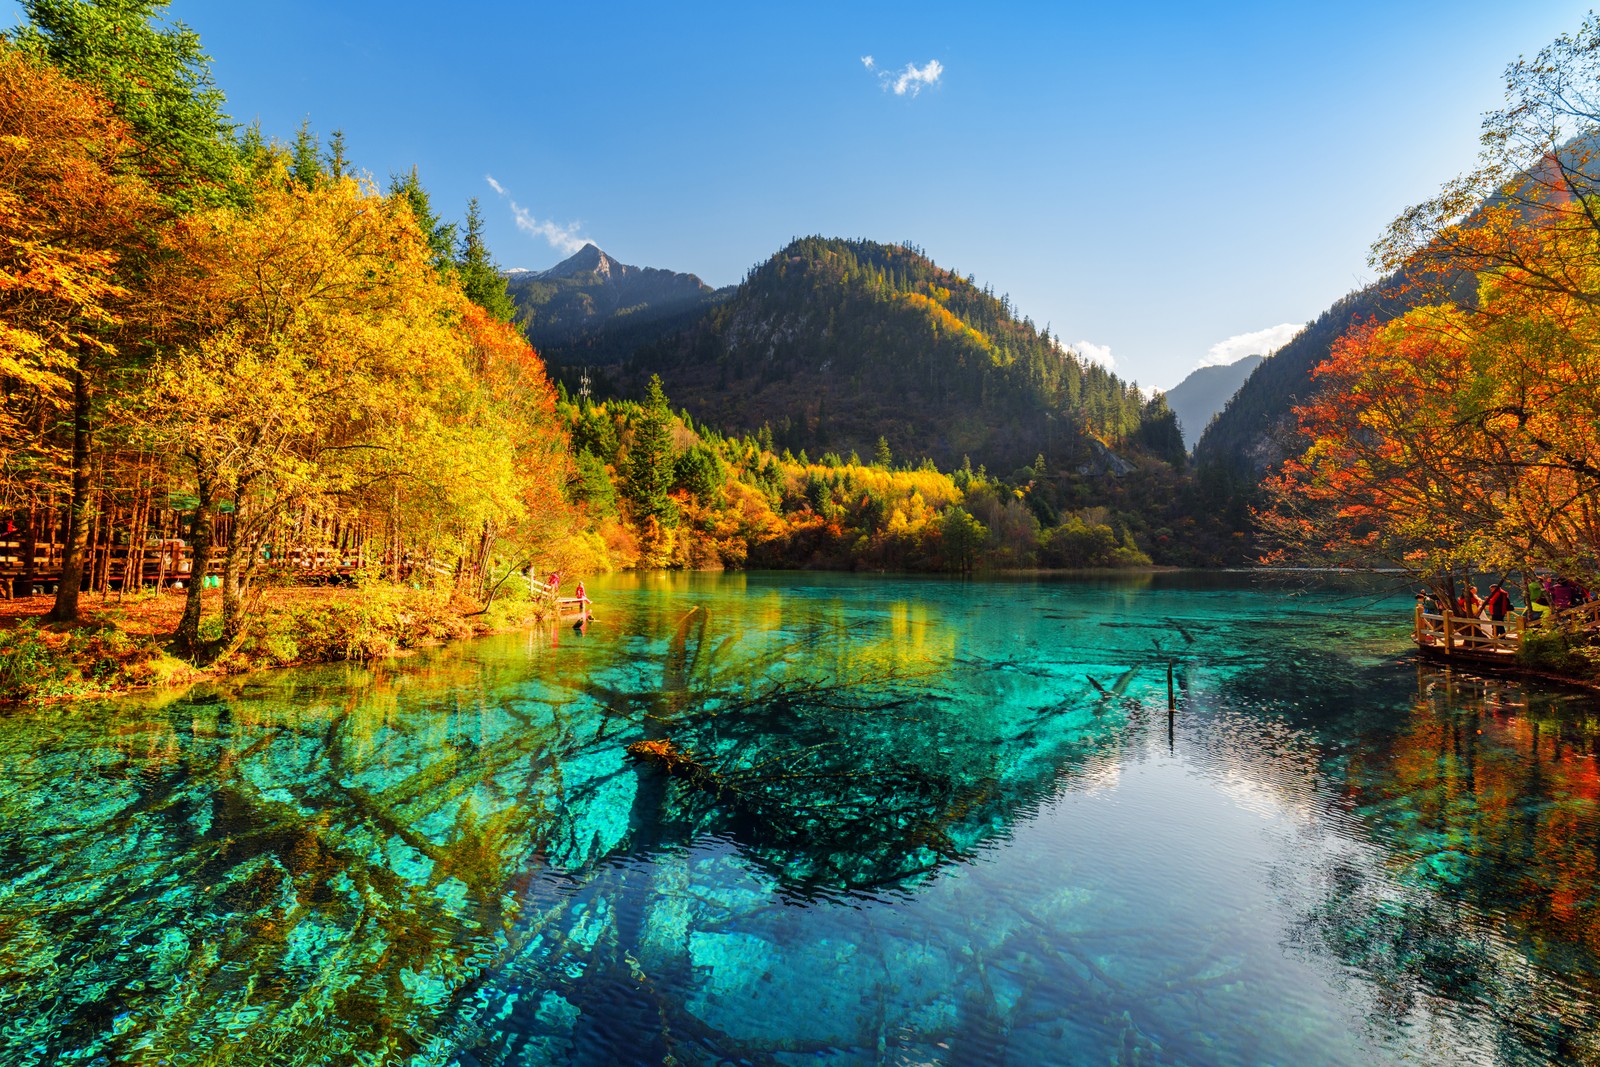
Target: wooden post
<point>1449,632</point>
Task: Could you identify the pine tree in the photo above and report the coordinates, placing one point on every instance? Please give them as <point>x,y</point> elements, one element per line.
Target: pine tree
<point>158,81</point>
<point>650,464</point>
<point>305,158</point>
<point>439,235</point>
<point>481,280</point>
<point>338,163</point>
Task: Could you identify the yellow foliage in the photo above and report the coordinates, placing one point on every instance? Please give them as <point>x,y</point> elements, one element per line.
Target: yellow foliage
<point>943,318</point>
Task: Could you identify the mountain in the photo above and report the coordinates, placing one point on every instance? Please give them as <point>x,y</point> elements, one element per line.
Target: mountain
<point>833,343</point>
<point>1257,428</point>
<point>1199,397</point>
<point>590,294</point>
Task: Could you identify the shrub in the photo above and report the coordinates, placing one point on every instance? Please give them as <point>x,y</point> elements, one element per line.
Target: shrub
<point>30,668</point>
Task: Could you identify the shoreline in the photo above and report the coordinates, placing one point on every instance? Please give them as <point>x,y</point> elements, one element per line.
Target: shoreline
<point>123,646</point>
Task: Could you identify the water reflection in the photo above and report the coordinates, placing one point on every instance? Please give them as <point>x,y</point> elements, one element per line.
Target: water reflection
<point>912,822</point>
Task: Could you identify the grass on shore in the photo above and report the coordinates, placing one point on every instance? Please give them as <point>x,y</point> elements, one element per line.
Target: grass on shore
<point>124,643</point>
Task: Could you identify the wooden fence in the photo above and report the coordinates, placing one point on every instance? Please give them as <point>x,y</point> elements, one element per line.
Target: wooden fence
<point>1469,637</point>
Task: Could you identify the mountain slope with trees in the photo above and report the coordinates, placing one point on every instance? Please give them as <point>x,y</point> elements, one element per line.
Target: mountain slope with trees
<point>832,344</point>
<point>1204,392</point>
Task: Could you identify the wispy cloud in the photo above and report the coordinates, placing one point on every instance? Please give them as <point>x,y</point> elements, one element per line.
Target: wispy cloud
<point>1255,343</point>
<point>909,80</point>
<point>914,78</point>
<point>1090,352</point>
<point>565,239</point>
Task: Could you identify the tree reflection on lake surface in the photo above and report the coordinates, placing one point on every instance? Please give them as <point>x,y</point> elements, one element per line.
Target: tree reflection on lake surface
<point>906,821</point>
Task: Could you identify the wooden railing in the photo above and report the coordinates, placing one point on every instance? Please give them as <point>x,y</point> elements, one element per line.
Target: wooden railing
<point>1453,634</point>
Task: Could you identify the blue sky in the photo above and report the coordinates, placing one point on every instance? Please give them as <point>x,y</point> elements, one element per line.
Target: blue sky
<point>1156,181</point>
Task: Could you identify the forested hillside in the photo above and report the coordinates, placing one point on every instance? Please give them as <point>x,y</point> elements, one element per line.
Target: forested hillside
<point>832,344</point>
<point>1257,428</point>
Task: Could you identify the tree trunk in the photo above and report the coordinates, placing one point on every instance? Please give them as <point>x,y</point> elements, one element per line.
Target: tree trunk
<point>238,565</point>
<point>232,585</point>
<point>30,547</point>
<point>188,634</point>
<point>66,606</point>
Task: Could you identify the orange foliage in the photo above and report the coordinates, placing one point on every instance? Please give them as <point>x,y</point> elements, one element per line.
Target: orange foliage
<point>70,214</point>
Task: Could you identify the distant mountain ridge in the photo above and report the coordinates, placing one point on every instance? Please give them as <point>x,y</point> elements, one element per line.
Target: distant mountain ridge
<point>1206,391</point>
<point>1257,430</point>
<point>589,292</point>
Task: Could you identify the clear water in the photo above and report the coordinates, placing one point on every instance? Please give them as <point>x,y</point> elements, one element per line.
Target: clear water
<point>924,822</point>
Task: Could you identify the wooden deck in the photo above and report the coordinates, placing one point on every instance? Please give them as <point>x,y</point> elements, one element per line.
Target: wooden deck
<point>566,606</point>
<point>1484,642</point>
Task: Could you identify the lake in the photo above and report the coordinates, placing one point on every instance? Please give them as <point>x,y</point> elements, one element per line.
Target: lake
<point>889,821</point>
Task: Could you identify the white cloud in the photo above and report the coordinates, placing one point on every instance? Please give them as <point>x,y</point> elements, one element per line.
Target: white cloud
<point>913,78</point>
<point>565,239</point>
<point>1255,343</point>
<point>1090,352</point>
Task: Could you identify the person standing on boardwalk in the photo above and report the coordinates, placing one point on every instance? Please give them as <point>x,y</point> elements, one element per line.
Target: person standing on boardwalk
<point>1498,605</point>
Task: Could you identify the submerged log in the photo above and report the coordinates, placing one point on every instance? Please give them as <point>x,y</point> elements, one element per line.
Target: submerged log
<point>676,762</point>
<point>669,756</point>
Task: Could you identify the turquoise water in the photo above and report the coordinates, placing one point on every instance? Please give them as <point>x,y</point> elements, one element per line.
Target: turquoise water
<point>911,822</point>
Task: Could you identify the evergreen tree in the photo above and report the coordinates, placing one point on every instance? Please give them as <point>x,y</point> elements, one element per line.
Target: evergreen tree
<point>305,158</point>
<point>439,235</point>
<point>881,456</point>
<point>481,280</point>
<point>650,464</point>
<point>338,163</point>
<point>158,81</point>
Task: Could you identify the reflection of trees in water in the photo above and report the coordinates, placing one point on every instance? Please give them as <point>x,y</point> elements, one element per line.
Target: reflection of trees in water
<point>327,872</point>
<point>446,857</point>
<point>1482,804</point>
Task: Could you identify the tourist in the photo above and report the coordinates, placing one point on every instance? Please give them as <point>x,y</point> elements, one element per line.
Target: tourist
<point>1498,604</point>
<point>1538,602</point>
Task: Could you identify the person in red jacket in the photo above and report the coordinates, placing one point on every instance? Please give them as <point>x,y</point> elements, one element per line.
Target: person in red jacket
<point>1498,606</point>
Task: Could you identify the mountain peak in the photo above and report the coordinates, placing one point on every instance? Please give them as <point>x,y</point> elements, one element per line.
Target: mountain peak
<point>587,260</point>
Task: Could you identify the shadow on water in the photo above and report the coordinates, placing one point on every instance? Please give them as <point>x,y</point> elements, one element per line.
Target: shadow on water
<point>902,821</point>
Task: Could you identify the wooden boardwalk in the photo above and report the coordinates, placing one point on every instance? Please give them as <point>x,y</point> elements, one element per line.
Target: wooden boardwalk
<point>1453,637</point>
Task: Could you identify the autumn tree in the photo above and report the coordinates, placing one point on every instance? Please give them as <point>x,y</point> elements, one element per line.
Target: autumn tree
<point>158,81</point>
<point>72,216</point>
<point>1464,434</point>
<point>319,327</point>
<point>1537,174</point>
